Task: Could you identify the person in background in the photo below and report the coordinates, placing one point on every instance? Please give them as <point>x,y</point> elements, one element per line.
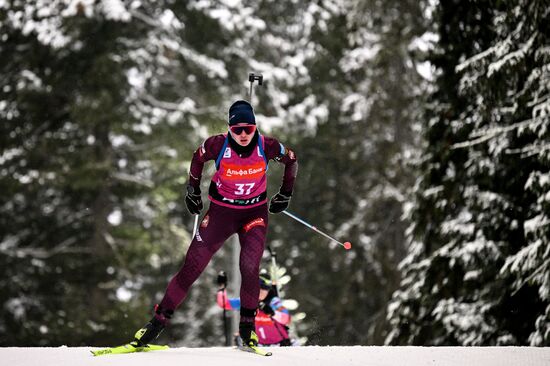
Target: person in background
<point>272,318</point>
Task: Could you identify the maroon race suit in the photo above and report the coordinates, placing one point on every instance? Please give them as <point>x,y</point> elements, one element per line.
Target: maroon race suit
<point>238,205</point>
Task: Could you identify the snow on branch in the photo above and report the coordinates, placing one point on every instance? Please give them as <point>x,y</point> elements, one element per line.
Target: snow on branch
<point>501,47</point>
<point>529,150</point>
<point>511,58</point>
<point>9,248</point>
<point>214,67</point>
<point>489,133</point>
<point>168,27</point>
<point>187,105</point>
<point>167,21</point>
<point>123,177</point>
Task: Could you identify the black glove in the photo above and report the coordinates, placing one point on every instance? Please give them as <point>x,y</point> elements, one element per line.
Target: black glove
<point>193,200</point>
<point>222,280</point>
<point>263,306</point>
<point>279,202</point>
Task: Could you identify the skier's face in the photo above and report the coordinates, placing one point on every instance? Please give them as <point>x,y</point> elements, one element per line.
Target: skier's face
<point>242,133</point>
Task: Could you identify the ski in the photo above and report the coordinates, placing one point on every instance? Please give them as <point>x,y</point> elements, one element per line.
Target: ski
<point>128,348</point>
<point>254,349</point>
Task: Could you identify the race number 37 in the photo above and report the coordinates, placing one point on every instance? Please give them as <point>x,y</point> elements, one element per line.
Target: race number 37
<point>244,189</point>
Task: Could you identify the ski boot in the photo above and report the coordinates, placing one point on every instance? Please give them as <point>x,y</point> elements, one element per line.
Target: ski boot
<point>152,330</point>
<point>248,336</point>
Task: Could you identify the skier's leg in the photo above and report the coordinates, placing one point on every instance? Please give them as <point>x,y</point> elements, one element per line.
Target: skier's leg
<point>215,228</point>
<point>252,237</point>
<point>252,248</point>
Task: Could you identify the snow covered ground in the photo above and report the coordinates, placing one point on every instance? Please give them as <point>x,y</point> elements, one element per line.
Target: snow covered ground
<point>293,356</point>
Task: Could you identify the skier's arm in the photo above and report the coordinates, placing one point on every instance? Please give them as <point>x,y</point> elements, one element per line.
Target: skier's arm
<point>277,151</point>
<point>209,150</point>
<point>226,303</point>
<point>282,314</point>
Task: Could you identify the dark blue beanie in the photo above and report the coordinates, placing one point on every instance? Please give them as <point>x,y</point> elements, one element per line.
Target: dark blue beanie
<point>241,112</point>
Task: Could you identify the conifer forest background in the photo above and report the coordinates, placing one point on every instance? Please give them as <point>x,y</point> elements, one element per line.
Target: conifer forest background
<point>422,130</point>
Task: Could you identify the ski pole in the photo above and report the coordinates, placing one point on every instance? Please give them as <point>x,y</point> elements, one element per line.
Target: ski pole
<point>346,245</point>
<point>222,281</point>
<point>274,275</point>
<point>227,344</point>
<point>195,225</point>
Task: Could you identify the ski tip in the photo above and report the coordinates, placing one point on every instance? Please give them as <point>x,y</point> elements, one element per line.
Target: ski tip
<point>156,347</point>
<point>100,352</point>
<point>255,350</point>
<point>128,348</point>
